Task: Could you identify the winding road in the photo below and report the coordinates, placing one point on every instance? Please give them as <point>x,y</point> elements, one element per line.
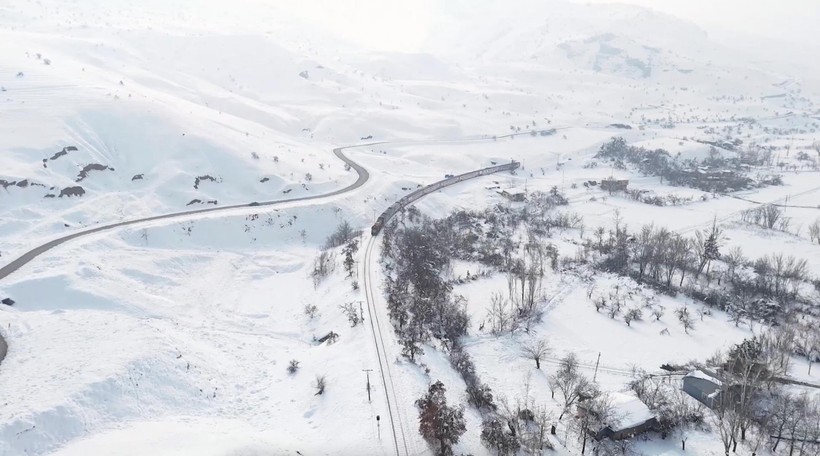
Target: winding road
<point>25,258</point>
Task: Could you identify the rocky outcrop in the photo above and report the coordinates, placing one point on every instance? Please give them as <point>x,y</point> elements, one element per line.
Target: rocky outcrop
<point>199,201</point>
<point>72,191</point>
<point>65,151</point>
<point>59,154</point>
<point>92,167</point>
<point>22,184</point>
<point>203,178</point>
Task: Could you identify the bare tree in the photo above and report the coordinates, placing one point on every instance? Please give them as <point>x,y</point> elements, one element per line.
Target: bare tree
<point>311,310</point>
<point>814,231</point>
<point>733,259</point>
<point>501,314</point>
<point>320,384</point>
<point>323,265</point>
<point>657,312</point>
<point>685,319</point>
<point>569,380</point>
<point>352,312</point>
<point>634,314</point>
<point>535,350</point>
<point>595,412</point>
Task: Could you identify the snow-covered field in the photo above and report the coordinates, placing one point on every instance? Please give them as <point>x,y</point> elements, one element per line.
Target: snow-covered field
<point>174,337</point>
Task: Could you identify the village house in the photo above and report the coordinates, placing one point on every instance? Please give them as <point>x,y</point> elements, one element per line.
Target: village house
<point>704,386</point>
<point>614,185</point>
<point>630,418</point>
<point>515,195</point>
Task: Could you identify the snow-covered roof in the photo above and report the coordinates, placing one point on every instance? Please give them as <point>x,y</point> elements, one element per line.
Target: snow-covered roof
<point>629,411</point>
<point>514,190</point>
<point>704,376</point>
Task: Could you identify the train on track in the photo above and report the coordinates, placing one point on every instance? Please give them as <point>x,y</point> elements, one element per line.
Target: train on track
<point>414,196</point>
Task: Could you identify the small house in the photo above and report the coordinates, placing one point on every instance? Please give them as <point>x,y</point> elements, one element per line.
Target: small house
<point>703,385</point>
<point>630,417</point>
<point>614,185</point>
<point>515,195</point>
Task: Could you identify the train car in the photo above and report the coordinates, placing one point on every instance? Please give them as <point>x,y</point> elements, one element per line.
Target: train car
<point>412,197</point>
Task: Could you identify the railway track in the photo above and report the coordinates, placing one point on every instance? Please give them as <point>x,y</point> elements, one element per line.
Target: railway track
<point>396,425</point>
<point>405,440</point>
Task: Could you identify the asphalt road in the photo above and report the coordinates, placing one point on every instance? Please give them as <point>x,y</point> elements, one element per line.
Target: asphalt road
<point>27,257</point>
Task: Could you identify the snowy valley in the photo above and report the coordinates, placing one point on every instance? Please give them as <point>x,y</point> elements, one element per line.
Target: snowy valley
<point>189,262</point>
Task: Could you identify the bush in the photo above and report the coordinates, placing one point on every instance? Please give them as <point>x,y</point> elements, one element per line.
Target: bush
<point>311,311</point>
<point>293,366</point>
<point>343,233</point>
<point>498,436</point>
<point>320,384</point>
<point>481,397</point>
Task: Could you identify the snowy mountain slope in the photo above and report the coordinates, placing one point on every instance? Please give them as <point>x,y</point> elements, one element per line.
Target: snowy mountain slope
<point>173,338</point>
<point>221,350</point>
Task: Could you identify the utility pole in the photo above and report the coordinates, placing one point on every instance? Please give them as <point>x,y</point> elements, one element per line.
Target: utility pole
<point>367,372</point>
<point>596,367</point>
<point>379,426</point>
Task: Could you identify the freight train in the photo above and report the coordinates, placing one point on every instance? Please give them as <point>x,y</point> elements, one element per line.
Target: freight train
<point>414,196</point>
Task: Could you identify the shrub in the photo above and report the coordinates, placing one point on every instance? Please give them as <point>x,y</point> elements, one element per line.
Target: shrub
<point>320,384</point>
<point>293,366</point>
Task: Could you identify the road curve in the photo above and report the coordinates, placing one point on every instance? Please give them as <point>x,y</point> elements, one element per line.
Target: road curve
<point>27,257</point>
<point>3,348</point>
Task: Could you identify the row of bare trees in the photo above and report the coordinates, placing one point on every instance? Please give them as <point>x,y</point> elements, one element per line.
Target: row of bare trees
<point>763,289</point>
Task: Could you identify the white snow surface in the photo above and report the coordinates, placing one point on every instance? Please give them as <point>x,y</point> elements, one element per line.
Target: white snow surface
<point>173,338</point>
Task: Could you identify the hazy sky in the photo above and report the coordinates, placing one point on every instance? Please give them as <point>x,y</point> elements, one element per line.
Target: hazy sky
<point>402,25</point>
<point>786,20</point>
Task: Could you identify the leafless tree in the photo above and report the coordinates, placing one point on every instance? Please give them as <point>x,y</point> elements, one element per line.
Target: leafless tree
<point>320,384</point>
<point>600,303</point>
<point>535,350</point>
<point>657,312</point>
<point>501,315</point>
<point>352,312</point>
<point>614,308</point>
<point>311,310</point>
<point>685,319</point>
<point>632,315</point>
<point>323,265</point>
<point>569,380</point>
<point>734,259</point>
<point>814,231</point>
<point>293,366</point>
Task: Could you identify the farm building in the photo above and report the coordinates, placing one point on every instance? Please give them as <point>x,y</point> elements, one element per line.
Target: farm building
<point>614,185</point>
<point>703,385</point>
<point>631,417</point>
<point>516,195</point>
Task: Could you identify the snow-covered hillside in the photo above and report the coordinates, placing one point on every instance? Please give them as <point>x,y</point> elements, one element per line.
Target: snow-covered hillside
<point>175,336</point>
